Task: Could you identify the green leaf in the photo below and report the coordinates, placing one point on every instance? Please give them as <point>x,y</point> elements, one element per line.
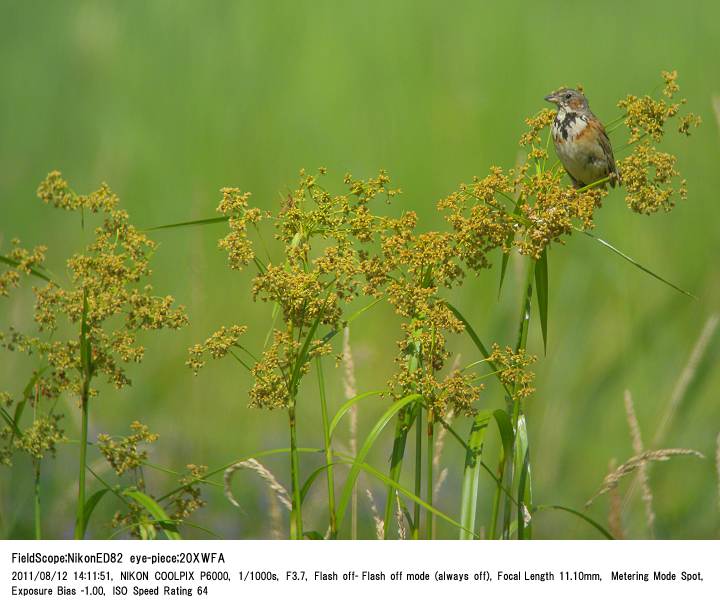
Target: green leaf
<point>526,308</point>
<point>9,420</point>
<point>524,475</point>
<point>302,356</point>
<point>541,287</point>
<point>311,479</point>
<point>313,535</point>
<point>365,449</point>
<point>476,340</point>
<point>612,248</point>
<point>522,465</point>
<point>27,394</point>
<point>590,521</point>
<point>389,482</point>
<point>33,271</point>
<point>215,220</point>
<point>85,349</point>
<point>503,269</point>
<point>155,510</point>
<point>345,408</point>
<point>92,503</point>
<point>351,318</point>
<point>507,435</point>
<point>506,253</point>
<point>471,474</point>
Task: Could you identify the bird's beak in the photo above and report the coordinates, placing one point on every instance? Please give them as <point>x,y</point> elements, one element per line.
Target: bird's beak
<point>552,98</point>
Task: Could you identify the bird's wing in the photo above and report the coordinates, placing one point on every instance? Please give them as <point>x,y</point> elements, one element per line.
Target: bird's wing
<point>605,144</point>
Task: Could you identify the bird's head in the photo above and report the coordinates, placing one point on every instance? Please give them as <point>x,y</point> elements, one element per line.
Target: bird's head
<point>569,100</point>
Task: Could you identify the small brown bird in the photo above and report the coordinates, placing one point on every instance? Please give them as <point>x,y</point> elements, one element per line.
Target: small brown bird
<point>580,140</point>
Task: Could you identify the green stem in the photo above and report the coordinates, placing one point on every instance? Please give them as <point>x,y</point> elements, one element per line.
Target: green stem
<point>496,498</point>
<point>402,426</point>
<point>418,471</point>
<point>404,422</point>
<point>296,525</point>
<point>38,527</point>
<point>429,474</point>
<point>80,508</point>
<point>514,406</point>
<point>328,450</point>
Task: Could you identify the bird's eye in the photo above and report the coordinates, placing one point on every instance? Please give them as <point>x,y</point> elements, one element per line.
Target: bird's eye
<point>567,96</point>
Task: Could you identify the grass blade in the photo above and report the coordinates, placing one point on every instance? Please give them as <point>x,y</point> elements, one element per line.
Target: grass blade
<point>401,489</point>
<point>307,485</point>
<point>202,222</point>
<point>477,342</point>
<point>503,269</point>
<point>155,510</point>
<point>522,465</point>
<point>524,475</point>
<point>506,253</point>
<point>505,428</point>
<point>365,449</point>
<point>20,407</point>
<point>471,474</point>
<point>634,262</point>
<point>85,348</point>
<point>347,406</point>
<point>602,530</point>
<point>302,356</point>
<point>33,271</point>
<point>541,288</point>
<point>92,503</point>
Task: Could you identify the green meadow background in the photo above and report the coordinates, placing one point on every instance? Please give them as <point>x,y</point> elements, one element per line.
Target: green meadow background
<point>169,101</point>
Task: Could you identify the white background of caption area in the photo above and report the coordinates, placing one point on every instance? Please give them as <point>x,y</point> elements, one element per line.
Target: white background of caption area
<point>471,557</point>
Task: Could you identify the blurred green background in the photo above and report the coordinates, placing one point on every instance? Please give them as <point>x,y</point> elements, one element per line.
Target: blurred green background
<point>168,101</point>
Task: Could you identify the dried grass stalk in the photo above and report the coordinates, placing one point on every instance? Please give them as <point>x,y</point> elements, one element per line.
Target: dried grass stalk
<point>615,510</point>
<point>686,376</point>
<point>379,523</point>
<point>613,478</point>
<point>642,476</point>
<point>278,490</point>
<point>401,514</point>
<point>680,389</point>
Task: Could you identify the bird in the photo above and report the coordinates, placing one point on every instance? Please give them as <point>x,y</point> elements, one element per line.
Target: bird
<point>580,139</point>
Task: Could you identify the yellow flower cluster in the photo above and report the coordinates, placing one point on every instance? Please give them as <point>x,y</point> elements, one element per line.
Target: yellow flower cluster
<point>218,345</point>
<point>106,285</point>
<point>189,500</point>
<point>124,454</point>
<point>513,370</point>
<point>23,261</point>
<point>323,270</point>
<point>234,205</point>
<point>646,116</point>
<point>41,437</point>
<point>648,176</point>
